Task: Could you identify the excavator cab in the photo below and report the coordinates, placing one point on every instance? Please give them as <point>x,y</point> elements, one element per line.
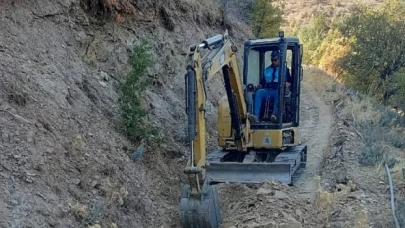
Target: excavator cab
<point>249,152</point>
<point>257,58</point>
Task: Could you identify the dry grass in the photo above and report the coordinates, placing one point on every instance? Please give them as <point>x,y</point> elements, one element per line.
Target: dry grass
<point>80,211</point>
<point>90,215</point>
<point>302,11</point>
<point>381,130</point>
<point>398,173</point>
<point>323,85</point>
<point>362,220</point>
<point>350,107</point>
<point>119,196</point>
<point>78,143</point>
<point>94,226</point>
<point>326,201</point>
<point>383,139</point>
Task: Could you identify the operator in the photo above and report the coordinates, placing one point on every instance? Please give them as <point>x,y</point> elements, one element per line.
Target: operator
<point>269,86</point>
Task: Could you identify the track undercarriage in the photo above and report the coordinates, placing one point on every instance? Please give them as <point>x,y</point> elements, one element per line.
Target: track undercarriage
<point>203,210</point>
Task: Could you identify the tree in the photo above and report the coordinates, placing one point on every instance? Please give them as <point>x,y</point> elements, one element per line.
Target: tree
<point>266,18</point>
<point>377,53</point>
<point>312,36</point>
<point>333,46</point>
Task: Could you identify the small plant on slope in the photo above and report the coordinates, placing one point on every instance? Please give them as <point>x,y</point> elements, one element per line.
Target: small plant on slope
<point>133,114</point>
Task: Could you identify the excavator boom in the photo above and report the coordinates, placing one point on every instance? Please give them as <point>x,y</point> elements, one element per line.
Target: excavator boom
<point>221,56</point>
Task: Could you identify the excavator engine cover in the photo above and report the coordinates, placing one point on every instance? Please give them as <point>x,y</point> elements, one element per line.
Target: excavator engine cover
<point>200,211</point>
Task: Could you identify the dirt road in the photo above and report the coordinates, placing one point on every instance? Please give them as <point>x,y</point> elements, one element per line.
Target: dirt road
<point>315,131</point>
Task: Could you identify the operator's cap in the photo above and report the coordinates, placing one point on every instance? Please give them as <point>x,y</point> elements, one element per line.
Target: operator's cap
<point>275,54</point>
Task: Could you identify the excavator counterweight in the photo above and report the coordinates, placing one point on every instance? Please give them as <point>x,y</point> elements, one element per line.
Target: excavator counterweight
<point>258,121</point>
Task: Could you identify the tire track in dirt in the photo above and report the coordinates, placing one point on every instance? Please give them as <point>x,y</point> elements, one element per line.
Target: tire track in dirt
<point>315,131</point>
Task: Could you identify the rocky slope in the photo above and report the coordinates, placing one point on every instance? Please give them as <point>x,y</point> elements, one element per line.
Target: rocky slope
<point>62,161</point>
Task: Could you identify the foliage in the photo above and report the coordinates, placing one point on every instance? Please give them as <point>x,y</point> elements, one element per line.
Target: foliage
<point>364,49</point>
<point>133,114</point>
<point>398,88</point>
<point>266,18</point>
<point>311,42</point>
<point>333,46</point>
<point>375,147</point>
<point>312,37</point>
<point>376,55</point>
<point>372,154</point>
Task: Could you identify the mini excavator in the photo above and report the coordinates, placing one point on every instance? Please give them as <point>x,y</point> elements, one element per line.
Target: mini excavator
<point>249,151</point>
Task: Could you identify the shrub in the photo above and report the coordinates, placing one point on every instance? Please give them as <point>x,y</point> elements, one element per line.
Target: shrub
<point>133,114</point>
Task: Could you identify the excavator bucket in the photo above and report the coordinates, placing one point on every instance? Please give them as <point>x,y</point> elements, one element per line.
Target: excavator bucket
<point>201,211</point>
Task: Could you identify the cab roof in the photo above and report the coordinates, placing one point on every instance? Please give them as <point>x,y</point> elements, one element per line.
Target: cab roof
<point>276,40</point>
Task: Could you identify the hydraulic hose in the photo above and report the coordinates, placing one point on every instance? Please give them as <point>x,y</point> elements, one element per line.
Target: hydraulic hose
<point>392,196</point>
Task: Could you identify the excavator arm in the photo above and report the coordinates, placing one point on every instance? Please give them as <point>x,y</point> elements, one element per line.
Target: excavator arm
<point>221,56</point>
<point>199,201</point>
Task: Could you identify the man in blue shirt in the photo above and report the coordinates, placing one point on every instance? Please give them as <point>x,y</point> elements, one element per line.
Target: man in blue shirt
<point>269,86</point>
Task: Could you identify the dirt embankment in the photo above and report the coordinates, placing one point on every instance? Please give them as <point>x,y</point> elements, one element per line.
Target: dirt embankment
<point>63,164</point>
<point>354,182</point>
<point>62,161</point>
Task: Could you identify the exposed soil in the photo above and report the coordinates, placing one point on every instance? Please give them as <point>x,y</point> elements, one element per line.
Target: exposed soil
<point>64,164</point>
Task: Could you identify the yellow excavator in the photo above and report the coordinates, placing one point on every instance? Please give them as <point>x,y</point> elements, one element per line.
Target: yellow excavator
<point>257,122</point>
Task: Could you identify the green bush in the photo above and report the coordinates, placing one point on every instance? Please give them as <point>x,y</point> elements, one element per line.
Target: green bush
<point>133,115</point>
<point>375,61</point>
<point>377,135</point>
<point>312,37</point>
<point>364,49</point>
<point>372,154</point>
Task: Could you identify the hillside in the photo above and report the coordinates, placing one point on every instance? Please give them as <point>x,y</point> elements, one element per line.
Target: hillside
<point>299,13</point>
<point>63,161</point>
<point>67,161</point>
